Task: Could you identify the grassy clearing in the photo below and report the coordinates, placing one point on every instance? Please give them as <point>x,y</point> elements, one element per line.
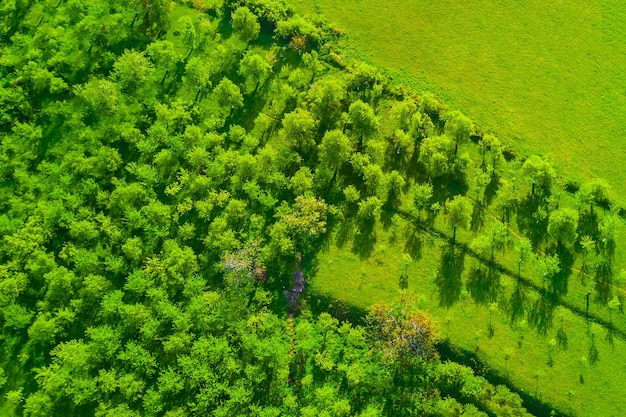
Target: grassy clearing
<point>572,381</point>
<point>547,77</point>
<point>527,349</point>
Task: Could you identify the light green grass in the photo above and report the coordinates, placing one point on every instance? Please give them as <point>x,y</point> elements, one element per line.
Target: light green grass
<point>342,274</point>
<point>547,77</point>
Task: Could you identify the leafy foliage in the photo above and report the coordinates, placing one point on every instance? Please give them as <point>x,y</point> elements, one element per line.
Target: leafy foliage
<point>161,180</point>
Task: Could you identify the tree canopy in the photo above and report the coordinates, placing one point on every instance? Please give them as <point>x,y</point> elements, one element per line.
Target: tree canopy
<point>170,172</point>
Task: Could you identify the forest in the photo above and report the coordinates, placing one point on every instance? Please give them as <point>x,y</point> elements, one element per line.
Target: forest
<point>178,180</point>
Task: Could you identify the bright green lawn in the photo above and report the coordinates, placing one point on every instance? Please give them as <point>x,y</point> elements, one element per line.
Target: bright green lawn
<point>548,77</point>
<point>342,274</point>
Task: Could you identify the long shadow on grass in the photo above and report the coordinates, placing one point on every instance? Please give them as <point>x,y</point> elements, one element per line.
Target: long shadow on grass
<point>560,279</point>
<point>344,233</point>
<point>492,188</point>
<point>603,279</point>
<point>483,284</point>
<point>413,241</point>
<point>364,238</point>
<point>516,307</point>
<point>478,217</point>
<point>448,278</point>
<point>588,225</point>
<point>530,224</point>
<point>447,187</point>
<point>319,303</point>
<point>541,314</point>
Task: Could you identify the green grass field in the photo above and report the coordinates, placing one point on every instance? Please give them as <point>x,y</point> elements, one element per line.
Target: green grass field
<point>527,349</point>
<point>548,78</point>
<point>572,381</point>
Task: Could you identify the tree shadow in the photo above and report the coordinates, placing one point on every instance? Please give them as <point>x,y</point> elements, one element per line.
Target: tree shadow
<point>319,303</point>
<point>413,241</point>
<point>542,314</point>
<point>403,281</point>
<point>344,233</point>
<point>448,278</point>
<point>391,207</point>
<point>516,307</point>
<point>386,215</point>
<point>364,238</point>
<point>478,217</point>
<point>604,280</point>
<point>561,336</point>
<point>492,189</point>
<point>448,186</point>
<point>483,284</point>
<point>610,337</point>
<point>558,286</point>
<point>529,225</point>
<point>588,224</point>
<point>594,355</point>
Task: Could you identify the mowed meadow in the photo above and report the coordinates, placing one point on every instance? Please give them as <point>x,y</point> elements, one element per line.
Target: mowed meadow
<point>547,78</point>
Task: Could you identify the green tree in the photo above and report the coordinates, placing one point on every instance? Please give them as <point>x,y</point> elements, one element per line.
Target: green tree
<point>363,119</point>
<point>548,267</point>
<point>102,97</point>
<point>394,183</point>
<point>255,69</point>
<point>373,178</point>
<point>458,127</point>
<point>437,155</point>
<point>313,63</point>
<point>38,404</point>
<point>302,181</point>
<point>157,16</point>
<point>596,191</point>
<point>562,226</point>
<point>304,222</point>
<point>164,54</point>
<point>370,209</point>
<point>299,129</point>
<point>326,97</point>
<point>458,213</point>
<point>490,145</point>
<point>228,94</point>
<point>402,145</point>
<point>245,23</point>
<point>524,252</point>
<point>402,113</point>
<point>131,70</point>
<point>334,150</point>
<point>422,196</point>
<point>541,172</point>
<point>351,194</point>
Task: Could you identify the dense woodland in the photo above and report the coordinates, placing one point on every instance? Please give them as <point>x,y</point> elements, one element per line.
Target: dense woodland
<point>167,169</point>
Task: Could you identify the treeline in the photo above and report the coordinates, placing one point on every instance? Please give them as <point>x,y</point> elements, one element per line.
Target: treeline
<point>166,169</point>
